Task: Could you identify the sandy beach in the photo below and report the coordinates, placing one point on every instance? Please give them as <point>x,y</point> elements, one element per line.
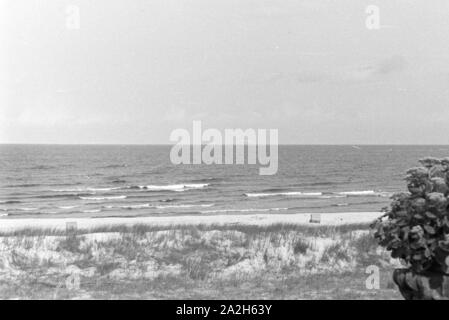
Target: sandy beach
<point>250,219</point>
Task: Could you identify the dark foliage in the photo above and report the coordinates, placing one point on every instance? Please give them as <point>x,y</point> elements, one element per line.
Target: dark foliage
<point>416,226</point>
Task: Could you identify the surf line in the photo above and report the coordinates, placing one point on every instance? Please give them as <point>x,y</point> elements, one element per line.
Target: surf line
<point>207,147</point>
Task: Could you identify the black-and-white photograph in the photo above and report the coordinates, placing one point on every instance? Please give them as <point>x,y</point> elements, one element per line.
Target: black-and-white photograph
<point>224,150</point>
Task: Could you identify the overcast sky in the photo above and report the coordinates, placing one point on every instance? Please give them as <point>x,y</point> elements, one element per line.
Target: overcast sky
<point>136,70</point>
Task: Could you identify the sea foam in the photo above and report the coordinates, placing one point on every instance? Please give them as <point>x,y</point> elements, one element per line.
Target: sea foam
<point>174,187</point>
<point>301,194</point>
<point>103,198</point>
<point>323,195</point>
<point>244,210</point>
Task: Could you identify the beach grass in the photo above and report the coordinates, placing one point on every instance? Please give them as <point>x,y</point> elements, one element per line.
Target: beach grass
<point>214,261</point>
<point>144,228</point>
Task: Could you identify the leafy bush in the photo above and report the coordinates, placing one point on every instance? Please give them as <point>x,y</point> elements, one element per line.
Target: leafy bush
<point>416,227</point>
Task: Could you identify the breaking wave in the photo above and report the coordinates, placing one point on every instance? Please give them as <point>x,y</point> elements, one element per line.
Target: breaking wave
<point>300,194</point>
<point>184,206</point>
<point>172,187</point>
<point>244,210</point>
<point>67,207</point>
<point>148,205</point>
<point>323,195</point>
<point>26,209</point>
<point>103,198</point>
<point>366,193</point>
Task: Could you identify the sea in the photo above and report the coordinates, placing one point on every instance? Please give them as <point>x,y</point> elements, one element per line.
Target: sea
<point>51,181</point>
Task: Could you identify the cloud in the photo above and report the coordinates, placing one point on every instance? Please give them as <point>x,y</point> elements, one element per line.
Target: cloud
<point>376,71</point>
<point>347,74</point>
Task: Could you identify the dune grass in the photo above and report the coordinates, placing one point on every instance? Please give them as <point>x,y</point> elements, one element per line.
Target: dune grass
<point>315,230</point>
<point>280,261</point>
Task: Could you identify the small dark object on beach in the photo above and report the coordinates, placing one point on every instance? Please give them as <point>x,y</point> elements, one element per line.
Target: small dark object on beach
<point>315,218</point>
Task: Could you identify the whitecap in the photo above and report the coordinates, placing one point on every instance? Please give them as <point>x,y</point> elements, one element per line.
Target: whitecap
<point>365,193</point>
<point>244,210</point>
<point>27,209</point>
<point>103,198</point>
<point>300,194</point>
<point>67,207</point>
<point>174,187</point>
<point>184,206</point>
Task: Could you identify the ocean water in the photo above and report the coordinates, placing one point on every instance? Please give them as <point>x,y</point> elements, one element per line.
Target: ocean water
<point>111,181</point>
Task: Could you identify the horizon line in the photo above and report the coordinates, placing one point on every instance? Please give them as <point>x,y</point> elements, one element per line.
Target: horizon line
<point>172,144</point>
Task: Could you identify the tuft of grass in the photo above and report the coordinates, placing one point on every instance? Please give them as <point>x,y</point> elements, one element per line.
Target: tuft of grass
<point>197,268</point>
<point>106,267</point>
<point>301,246</point>
<point>70,243</point>
<point>33,232</point>
<point>365,243</point>
<point>140,229</point>
<point>337,251</point>
<point>127,247</point>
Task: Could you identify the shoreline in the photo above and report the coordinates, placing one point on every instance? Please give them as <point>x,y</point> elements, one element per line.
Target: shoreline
<point>328,219</point>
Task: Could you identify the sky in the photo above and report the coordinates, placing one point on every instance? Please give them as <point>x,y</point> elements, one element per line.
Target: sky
<point>134,71</point>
